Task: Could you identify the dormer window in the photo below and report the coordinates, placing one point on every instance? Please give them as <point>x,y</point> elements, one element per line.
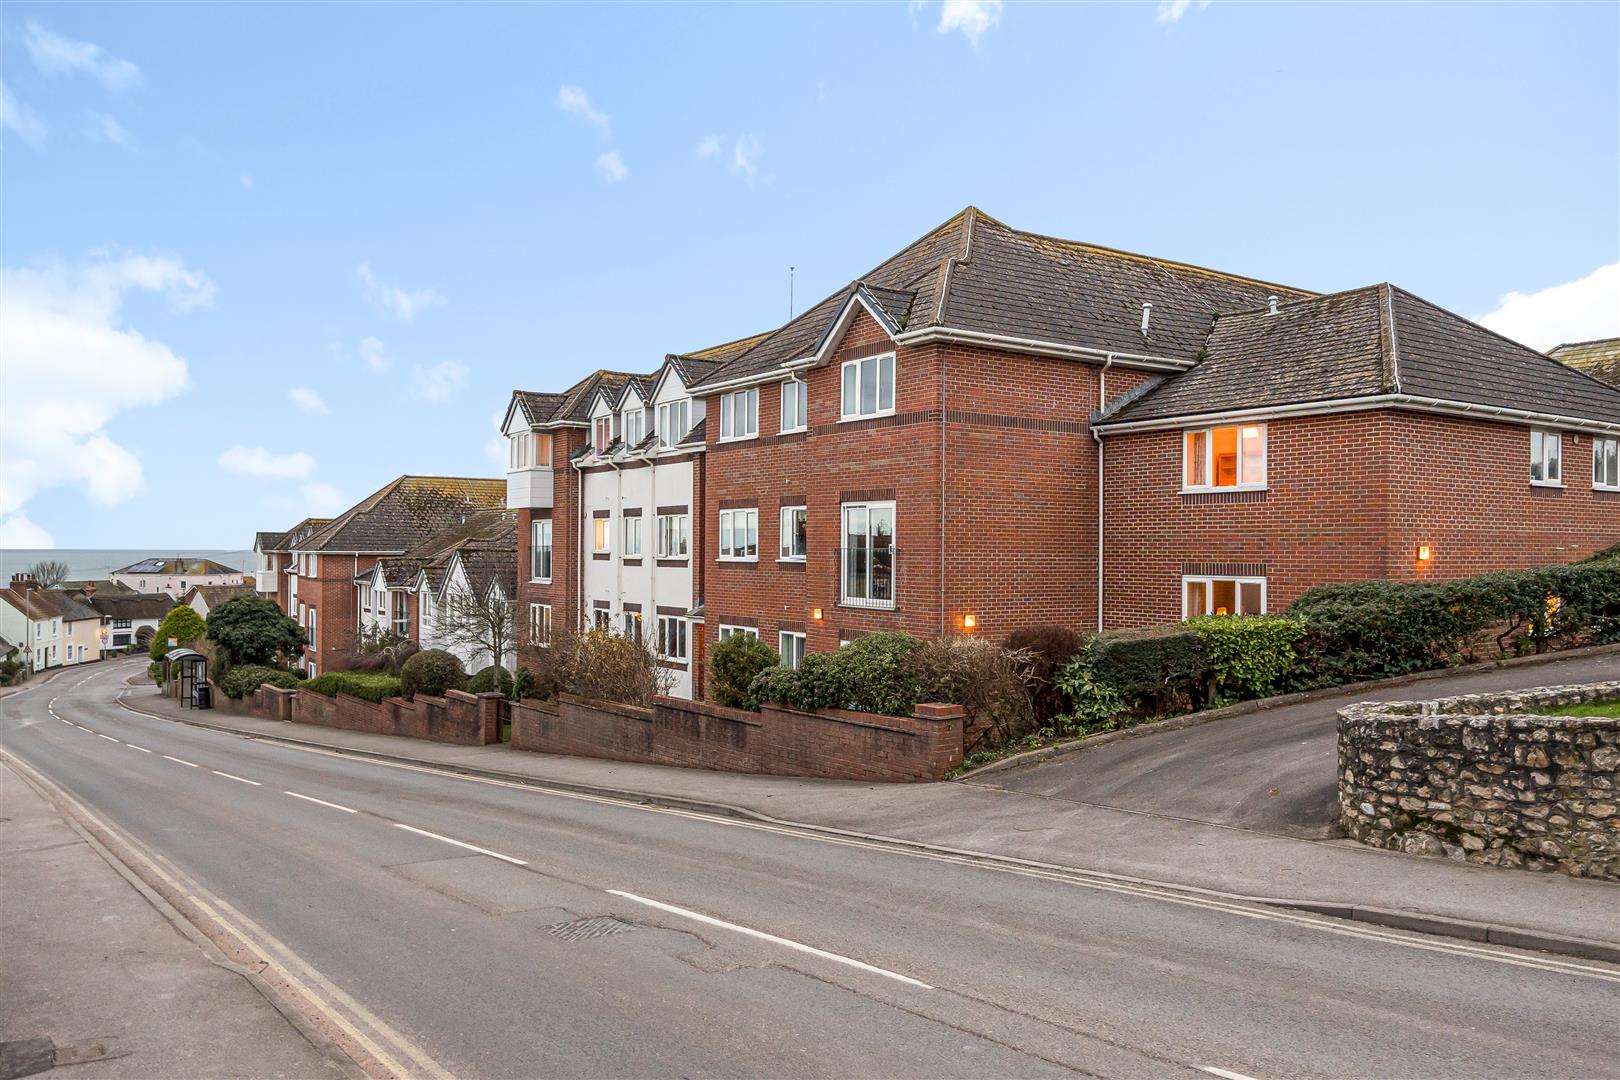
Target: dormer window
<point>674,421</point>
<point>601,433</point>
<point>528,450</point>
<point>635,424</point>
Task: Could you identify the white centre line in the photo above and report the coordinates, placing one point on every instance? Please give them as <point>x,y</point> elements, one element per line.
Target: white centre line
<point>1224,1074</point>
<point>109,738</point>
<point>178,761</point>
<point>238,779</point>
<point>323,802</point>
<point>772,938</point>
<point>459,844</point>
<point>142,749</point>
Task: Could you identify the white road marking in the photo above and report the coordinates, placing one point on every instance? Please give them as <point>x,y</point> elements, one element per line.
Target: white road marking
<point>142,749</point>
<point>178,761</point>
<point>323,802</point>
<point>65,720</point>
<point>238,779</point>
<point>109,738</point>
<point>1225,1074</point>
<point>772,938</point>
<point>459,844</point>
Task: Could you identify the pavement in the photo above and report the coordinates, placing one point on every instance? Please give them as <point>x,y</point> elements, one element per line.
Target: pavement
<point>1160,839</point>
<point>469,926</point>
<point>95,977</point>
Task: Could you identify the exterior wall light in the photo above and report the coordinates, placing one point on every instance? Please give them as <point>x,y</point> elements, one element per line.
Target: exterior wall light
<point>1425,553</point>
<point>815,613</point>
<point>969,622</point>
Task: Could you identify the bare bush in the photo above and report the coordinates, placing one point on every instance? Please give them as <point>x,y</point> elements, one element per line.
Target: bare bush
<point>991,683</point>
<point>601,665</point>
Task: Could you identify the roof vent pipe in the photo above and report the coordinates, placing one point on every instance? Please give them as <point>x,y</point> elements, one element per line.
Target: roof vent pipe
<point>1147,313</point>
<point>1271,306</point>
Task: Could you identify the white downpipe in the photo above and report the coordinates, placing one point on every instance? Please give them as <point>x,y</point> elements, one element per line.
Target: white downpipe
<point>1102,401</point>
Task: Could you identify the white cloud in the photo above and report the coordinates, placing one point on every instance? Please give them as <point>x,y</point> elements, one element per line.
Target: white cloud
<point>17,532</point>
<point>612,167</point>
<point>307,399</point>
<point>246,180</point>
<point>972,17</point>
<point>371,351</point>
<point>1574,311</point>
<point>19,119</point>
<point>315,499</point>
<point>403,304</point>
<point>439,382</point>
<point>104,128</point>
<point>574,99</point>
<point>709,147</point>
<point>69,365</point>
<point>745,155</point>
<point>54,54</point>
<point>495,447</point>
<point>1170,11</point>
<point>257,461</point>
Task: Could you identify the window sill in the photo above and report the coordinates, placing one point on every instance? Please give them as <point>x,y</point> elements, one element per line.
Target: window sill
<point>867,605</point>
<point>737,438</point>
<point>1211,489</point>
<point>539,581</point>
<point>796,560</point>
<point>1546,484</point>
<point>1606,487</point>
<point>865,416</point>
<point>793,430</point>
<point>737,558</point>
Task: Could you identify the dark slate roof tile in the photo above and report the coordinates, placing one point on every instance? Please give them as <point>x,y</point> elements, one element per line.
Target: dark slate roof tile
<point>406,512</point>
<point>1599,359</point>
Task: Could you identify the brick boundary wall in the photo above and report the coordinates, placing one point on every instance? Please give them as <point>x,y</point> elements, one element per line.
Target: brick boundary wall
<point>1482,778</point>
<point>460,718</point>
<point>830,744</point>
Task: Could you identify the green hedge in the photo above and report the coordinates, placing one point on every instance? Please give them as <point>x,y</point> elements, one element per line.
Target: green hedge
<point>367,685</point>
<point>431,672</point>
<point>1247,656</point>
<point>734,664</point>
<point>871,674</point>
<point>491,680</point>
<point>1157,670</point>
<point>241,682</point>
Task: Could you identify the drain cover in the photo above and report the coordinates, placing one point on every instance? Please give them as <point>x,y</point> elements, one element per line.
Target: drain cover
<point>586,929</point>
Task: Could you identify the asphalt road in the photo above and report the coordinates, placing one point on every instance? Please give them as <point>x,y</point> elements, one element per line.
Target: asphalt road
<point>740,949</point>
<point>1272,771</point>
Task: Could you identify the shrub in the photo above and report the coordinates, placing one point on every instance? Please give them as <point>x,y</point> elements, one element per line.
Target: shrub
<point>432,671</point>
<point>1092,705</point>
<point>601,665</point>
<point>1249,656</point>
<point>241,682</point>
<point>491,680</point>
<point>1155,671</point>
<point>734,664</point>
<point>988,681</point>
<point>871,674</point>
<point>252,630</point>
<point>367,685</point>
<point>182,624</point>
<point>154,671</point>
<point>1050,648</point>
<point>377,649</point>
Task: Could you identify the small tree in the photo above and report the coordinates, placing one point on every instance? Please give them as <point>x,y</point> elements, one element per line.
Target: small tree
<point>733,665</point>
<point>478,623</point>
<point>182,624</point>
<point>48,572</point>
<point>253,630</point>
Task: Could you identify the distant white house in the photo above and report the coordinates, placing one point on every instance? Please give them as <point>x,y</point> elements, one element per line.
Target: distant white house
<point>132,618</point>
<point>50,627</point>
<point>176,576</point>
<point>204,598</point>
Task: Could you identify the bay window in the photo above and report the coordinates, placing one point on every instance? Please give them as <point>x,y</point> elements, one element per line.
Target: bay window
<point>1233,456</point>
<point>739,414</point>
<point>1222,596</point>
<point>867,559</point>
<point>868,387</point>
<point>739,534</point>
<point>528,450</point>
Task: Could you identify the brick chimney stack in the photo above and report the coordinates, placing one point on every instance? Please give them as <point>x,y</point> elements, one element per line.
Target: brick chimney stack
<point>23,582</point>
<point>89,589</point>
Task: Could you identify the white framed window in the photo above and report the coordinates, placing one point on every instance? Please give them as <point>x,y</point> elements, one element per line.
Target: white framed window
<point>739,414</point>
<point>402,614</point>
<point>540,549</point>
<point>672,536</point>
<point>601,433</point>
<point>601,619</point>
<point>791,646</point>
<point>528,450</point>
<point>794,399</point>
<point>1546,458</point>
<point>630,625</point>
<point>674,421</point>
<point>868,387</point>
<point>365,599</point>
<point>672,638</point>
<point>792,542</point>
<point>1606,464</point>
<point>1222,596</point>
<point>866,561</point>
<point>1228,457</point>
<point>727,631</point>
<point>635,426</point>
<point>739,534</point>
<point>602,540</point>
<point>539,624</point>
<point>632,537</point>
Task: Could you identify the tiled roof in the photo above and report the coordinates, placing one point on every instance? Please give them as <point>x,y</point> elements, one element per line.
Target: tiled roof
<point>268,541</point>
<point>182,567</point>
<point>215,595</point>
<point>1599,359</point>
<point>492,561</point>
<point>289,540</point>
<point>434,553</point>
<point>48,604</point>
<point>133,605</point>
<point>113,587</point>
<point>1365,342</point>
<point>998,280</point>
<point>406,512</point>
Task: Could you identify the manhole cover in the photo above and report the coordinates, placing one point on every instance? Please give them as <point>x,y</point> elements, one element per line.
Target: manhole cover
<point>586,929</point>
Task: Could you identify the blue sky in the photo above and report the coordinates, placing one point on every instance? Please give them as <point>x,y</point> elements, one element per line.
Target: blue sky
<point>259,260</point>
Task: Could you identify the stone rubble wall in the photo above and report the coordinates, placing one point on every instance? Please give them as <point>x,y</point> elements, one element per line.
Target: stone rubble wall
<point>1483,778</point>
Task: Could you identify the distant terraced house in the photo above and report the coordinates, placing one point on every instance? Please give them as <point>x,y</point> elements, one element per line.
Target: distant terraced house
<point>175,576</point>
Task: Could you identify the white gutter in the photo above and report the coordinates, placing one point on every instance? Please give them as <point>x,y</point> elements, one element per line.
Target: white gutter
<point>1039,348</point>
<point>1102,401</point>
<point>1409,402</point>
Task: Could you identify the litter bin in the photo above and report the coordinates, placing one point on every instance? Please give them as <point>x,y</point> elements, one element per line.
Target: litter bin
<point>202,696</point>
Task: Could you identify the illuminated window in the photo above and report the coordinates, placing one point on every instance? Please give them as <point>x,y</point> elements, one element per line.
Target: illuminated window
<point>1224,457</point>
<point>1222,596</point>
